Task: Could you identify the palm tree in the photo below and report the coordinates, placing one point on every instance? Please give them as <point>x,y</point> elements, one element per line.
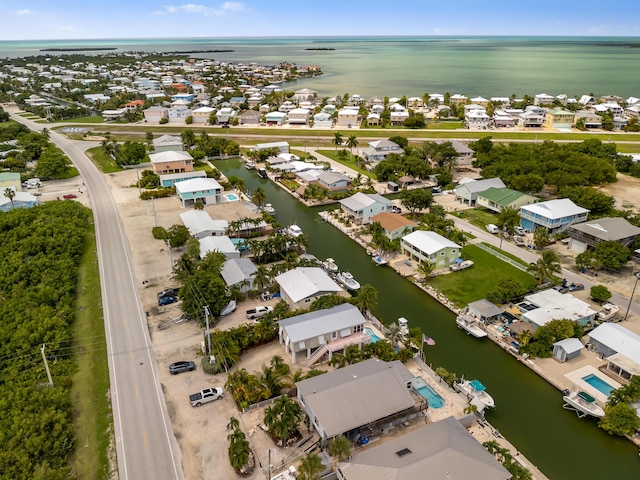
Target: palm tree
<point>394,334</point>
<point>259,196</point>
<point>507,219</point>
<point>541,238</point>
<point>352,141</point>
<point>10,193</point>
<point>367,298</point>
<point>261,278</point>
<point>282,418</point>
<point>310,467</point>
<point>241,186</point>
<point>46,134</point>
<point>545,267</point>
<point>426,269</point>
<point>188,138</point>
<point>337,139</point>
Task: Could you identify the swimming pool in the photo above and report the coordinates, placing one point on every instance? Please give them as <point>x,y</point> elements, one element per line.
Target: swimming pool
<point>231,197</point>
<point>372,334</point>
<point>425,391</point>
<point>599,384</point>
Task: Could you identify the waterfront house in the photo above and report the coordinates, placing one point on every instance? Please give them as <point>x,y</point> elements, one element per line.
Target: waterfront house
<point>170,179</point>
<point>311,336</point>
<point>445,449</point>
<point>559,118</point>
<point>426,246</point>
<point>586,100</point>
<point>167,143</point>
<point>200,224</point>
<point>221,244</point>
<point>207,190</point>
<point>468,192</point>
<point>302,285</point>
<point>567,349</point>
<point>360,207</point>
<point>281,147</point>
<point>554,215</point>
<point>484,310</point>
<point>394,224</point>
<point>334,182</point>
<point>619,346</point>
<point>496,199</point>
<point>305,95</point>
<point>240,272</point>
<point>379,150</point>
<point>171,161</point>
<point>543,99</point>
<point>347,117</point>
<point>588,234</point>
<point>542,307</point>
<point>457,99</point>
<point>358,398</point>
<point>481,101</point>
<point>590,119</point>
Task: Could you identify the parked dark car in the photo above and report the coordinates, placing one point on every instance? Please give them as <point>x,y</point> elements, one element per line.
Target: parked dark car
<point>69,196</point>
<point>574,287</point>
<point>167,300</point>
<point>168,292</point>
<point>183,366</point>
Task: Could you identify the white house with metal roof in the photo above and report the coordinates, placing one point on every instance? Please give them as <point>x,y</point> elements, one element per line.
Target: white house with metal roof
<point>222,244</point>
<point>239,271</point>
<point>542,307</point>
<point>554,215</point>
<point>362,206</point>
<point>302,285</point>
<point>311,336</point>
<point>167,143</point>
<point>620,346</point>
<point>425,246</point>
<point>442,450</point>
<point>207,190</point>
<point>468,192</point>
<point>200,224</point>
<point>358,399</point>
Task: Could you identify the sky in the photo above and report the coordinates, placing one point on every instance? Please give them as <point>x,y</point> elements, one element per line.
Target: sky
<point>89,19</point>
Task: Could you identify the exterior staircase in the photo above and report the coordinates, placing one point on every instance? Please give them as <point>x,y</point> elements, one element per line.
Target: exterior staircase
<point>339,344</point>
<point>317,355</point>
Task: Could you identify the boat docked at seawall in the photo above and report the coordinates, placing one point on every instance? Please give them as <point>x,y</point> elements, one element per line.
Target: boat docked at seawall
<point>378,260</point>
<point>330,266</point>
<point>346,279</point>
<point>474,390</point>
<point>269,209</point>
<point>293,230</point>
<point>582,403</point>
<point>263,173</point>
<point>471,325</point>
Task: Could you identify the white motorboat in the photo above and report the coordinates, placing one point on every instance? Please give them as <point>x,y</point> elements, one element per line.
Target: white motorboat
<point>473,389</point>
<point>346,279</point>
<point>607,312</point>
<point>330,265</point>
<point>230,307</point>
<point>471,325</point>
<point>294,230</point>
<point>582,403</point>
<point>378,260</point>
<point>269,209</point>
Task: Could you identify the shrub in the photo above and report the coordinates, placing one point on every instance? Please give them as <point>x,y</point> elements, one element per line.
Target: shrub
<point>159,233</point>
<point>164,121</point>
<point>600,293</point>
<point>159,193</point>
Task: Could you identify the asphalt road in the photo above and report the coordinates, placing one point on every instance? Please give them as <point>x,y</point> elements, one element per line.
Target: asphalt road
<point>145,443</point>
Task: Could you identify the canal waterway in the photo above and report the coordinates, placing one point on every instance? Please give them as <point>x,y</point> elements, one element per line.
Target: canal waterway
<point>528,410</point>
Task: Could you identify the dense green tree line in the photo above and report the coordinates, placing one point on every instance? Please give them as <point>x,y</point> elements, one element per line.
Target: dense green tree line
<point>40,250</point>
<point>528,167</point>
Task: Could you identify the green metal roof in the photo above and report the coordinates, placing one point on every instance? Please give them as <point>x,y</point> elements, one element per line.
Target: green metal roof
<point>501,196</point>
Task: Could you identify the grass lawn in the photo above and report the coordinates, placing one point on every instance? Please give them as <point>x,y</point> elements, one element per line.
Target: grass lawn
<point>512,257</point>
<point>103,161</point>
<point>290,184</point>
<point>628,148</point>
<point>91,406</point>
<point>444,125</point>
<point>473,283</point>
<point>333,155</point>
<point>478,217</point>
<point>87,119</point>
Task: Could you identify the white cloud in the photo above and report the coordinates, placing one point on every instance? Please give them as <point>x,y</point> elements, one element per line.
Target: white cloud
<point>24,11</point>
<point>66,28</point>
<point>194,8</point>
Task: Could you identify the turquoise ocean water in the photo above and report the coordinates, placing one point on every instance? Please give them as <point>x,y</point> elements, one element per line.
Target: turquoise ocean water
<point>396,66</point>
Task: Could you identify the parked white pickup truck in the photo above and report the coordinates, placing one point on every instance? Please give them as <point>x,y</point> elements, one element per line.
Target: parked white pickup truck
<point>206,395</point>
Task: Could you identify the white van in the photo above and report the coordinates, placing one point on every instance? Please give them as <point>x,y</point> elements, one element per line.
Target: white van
<point>491,228</point>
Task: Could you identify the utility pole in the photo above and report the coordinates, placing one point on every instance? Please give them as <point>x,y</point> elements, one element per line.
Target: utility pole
<point>46,366</point>
<point>206,317</point>
<point>170,256</point>
<point>153,206</point>
<point>637,275</point>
